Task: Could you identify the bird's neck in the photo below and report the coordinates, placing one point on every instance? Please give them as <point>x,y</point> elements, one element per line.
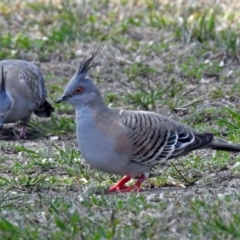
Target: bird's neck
<point>87,120</point>
<point>86,114</point>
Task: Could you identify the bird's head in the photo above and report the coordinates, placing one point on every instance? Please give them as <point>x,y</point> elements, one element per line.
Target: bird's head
<point>80,90</point>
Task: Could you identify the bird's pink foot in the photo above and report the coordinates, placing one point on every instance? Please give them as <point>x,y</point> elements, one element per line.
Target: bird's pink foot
<point>130,189</point>
<point>120,186</point>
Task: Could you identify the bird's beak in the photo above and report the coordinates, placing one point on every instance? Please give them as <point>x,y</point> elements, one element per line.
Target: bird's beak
<point>62,99</point>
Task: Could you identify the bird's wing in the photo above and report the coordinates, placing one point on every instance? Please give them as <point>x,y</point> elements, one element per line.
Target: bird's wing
<point>156,138</point>
<point>25,74</point>
<point>35,81</point>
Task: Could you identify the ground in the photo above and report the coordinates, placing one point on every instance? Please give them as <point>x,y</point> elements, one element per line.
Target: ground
<point>178,58</point>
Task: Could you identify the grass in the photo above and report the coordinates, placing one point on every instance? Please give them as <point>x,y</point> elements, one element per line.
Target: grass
<point>181,60</point>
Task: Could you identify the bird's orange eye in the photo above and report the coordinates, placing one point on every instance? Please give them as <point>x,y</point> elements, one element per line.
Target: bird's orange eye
<point>79,90</point>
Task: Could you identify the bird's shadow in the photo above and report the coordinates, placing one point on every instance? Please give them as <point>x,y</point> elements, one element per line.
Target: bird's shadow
<point>12,133</point>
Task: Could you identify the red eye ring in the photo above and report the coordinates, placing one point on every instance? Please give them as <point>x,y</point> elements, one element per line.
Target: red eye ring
<point>79,90</point>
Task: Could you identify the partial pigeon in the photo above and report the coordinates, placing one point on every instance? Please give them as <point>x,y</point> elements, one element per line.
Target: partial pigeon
<point>128,143</point>
<point>22,92</point>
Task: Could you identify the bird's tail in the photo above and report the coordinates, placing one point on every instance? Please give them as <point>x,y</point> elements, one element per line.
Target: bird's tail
<point>44,110</point>
<point>222,145</point>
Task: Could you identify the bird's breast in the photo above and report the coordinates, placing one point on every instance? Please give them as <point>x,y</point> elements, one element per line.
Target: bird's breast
<point>94,145</point>
<point>22,108</point>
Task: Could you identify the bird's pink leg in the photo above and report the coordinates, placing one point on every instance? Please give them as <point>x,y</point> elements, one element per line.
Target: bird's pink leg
<point>120,186</point>
<point>22,134</point>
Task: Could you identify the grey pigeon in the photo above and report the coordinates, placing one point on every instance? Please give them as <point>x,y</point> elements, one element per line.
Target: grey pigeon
<point>128,143</point>
<point>22,92</point>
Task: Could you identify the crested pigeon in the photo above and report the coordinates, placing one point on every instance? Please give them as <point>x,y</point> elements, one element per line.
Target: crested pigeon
<point>22,92</point>
<point>128,143</point>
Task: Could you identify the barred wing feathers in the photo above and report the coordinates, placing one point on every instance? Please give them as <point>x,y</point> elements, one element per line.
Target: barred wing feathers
<point>156,138</point>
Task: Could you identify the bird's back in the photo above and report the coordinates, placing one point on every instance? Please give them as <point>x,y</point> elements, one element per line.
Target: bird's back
<point>24,79</point>
<point>25,84</point>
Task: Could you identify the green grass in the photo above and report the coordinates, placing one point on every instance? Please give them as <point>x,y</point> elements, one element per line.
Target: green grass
<point>181,60</point>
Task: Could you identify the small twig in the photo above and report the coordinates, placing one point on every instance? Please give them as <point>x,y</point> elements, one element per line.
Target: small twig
<point>201,99</point>
<point>190,91</point>
<point>180,174</point>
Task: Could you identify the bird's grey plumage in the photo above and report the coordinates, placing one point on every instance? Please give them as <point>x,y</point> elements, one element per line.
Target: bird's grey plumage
<point>26,91</point>
<point>127,142</point>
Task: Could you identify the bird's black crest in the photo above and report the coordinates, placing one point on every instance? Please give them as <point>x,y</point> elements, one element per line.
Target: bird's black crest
<point>3,81</point>
<point>86,65</point>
